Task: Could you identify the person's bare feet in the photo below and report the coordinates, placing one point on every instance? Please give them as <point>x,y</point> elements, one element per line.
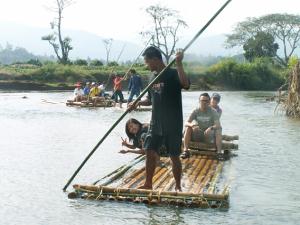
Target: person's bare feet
<point>178,189</point>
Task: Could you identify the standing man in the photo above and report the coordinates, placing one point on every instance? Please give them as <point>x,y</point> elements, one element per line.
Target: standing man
<point>118,89</point>
<point>135,85</point>
<point>166,120</point>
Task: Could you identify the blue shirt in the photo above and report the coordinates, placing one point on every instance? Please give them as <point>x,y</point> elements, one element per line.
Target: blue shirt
<point>86,91</point>
<point>135,83</point>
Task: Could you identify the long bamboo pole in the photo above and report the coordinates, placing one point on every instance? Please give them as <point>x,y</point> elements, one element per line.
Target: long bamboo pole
<point>142,192</point>
<point>123,170</point>
<point>142,94</point>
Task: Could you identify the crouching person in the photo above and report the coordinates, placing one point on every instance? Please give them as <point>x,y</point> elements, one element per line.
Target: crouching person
<point>203,125</point>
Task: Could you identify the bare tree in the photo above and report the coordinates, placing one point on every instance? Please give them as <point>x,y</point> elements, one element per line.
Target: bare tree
<point>61,45</point>
<point>164,32</point>
<point>107,44</point>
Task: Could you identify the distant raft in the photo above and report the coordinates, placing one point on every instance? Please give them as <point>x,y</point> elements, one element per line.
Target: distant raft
<point>201,183</point>
<point>143,109</point>
<point>103,103</point>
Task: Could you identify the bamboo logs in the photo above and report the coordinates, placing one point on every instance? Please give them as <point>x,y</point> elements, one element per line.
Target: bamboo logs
<point>104,190</point>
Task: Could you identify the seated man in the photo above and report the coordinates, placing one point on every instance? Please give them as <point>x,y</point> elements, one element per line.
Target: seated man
<point>78,93</point>
<point>94,94</point>
<point>203,125</point>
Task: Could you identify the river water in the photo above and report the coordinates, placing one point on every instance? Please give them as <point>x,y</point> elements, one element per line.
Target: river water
<point>43,142</point>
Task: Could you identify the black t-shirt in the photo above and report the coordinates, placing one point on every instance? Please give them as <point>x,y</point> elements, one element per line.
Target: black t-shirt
<point>165,96</point>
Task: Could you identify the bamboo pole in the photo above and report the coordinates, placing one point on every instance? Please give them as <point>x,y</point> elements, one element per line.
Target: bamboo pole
<point>201,175</point>
<point>230,137</point>
<point>141,95</point>
<point>196,172</point>
<point>166,179</point>
<point>121,170</point>
<point>212,147</point>
<point>171,182</point>
<point>136,179</point>
<point>137,58</point>
<point>215,178</point>
<point>208,176</point>
<point>161,176</point>
<point>144,192</point>
<point>186,176</point>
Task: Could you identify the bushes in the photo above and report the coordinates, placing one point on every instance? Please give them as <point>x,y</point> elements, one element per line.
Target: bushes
<point>259,75</point>
<point>96,62</point>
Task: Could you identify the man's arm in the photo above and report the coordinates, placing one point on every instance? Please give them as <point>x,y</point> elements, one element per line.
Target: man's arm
<point>145,102</point>
<point>189,122</point>
<point>217,125</point>
<point>184,81</point>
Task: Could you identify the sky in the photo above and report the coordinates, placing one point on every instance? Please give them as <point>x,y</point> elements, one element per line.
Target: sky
<point>124,19</point>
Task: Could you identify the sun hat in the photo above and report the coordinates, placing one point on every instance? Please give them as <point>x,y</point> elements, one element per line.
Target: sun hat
<point>78,84</point>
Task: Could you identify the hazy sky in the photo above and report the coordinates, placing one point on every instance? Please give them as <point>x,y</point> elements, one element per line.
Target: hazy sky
<point>124,19</point>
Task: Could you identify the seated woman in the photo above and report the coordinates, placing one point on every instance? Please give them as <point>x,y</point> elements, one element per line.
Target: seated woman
<point>136,132</point>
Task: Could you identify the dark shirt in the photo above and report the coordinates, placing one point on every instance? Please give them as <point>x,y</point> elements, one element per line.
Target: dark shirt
<point>139,138</point>
<point>165,96</point>
<point>135,83</point>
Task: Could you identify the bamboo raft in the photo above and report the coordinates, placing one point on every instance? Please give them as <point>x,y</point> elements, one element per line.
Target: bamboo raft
<point>200,182</point>
<point>143,109</point>
<point>84,104</point>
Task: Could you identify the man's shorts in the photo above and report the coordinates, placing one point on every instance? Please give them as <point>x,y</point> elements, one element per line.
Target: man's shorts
<point>199,136</point>
<point>172,144</point>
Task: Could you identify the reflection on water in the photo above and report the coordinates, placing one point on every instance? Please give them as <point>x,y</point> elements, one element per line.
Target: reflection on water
<point>42,143</point>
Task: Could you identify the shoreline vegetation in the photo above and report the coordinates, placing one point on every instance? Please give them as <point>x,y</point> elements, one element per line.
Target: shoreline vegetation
<point>227,74</point>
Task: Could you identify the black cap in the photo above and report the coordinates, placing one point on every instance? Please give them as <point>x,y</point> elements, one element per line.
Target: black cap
<point>216,96</point>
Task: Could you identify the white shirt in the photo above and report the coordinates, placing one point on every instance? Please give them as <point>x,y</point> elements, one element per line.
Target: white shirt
<point>78,92</point>
<point>101,87</point>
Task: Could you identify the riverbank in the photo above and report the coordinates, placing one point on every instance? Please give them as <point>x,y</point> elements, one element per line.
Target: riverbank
<point>9,85</point>
<point>226,75</point>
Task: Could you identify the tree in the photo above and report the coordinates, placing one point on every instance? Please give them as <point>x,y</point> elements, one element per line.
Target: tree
<point>61,46</point>
<point>284,28</point>
<point>164,33</point>
<point>107,44</point>
<point>96,62</point>
<point>261,45</point>
<point>81,62</point>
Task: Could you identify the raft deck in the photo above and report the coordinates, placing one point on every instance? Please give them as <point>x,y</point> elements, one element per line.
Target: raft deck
<point>200,181</point>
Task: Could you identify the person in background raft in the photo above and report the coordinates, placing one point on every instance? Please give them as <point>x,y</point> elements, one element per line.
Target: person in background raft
<point>203,125</point>
<point>94,93</point>
<point>86,90</point>
<point>166,120</point>
<point>135,85</point>
<point>118,89</point>
<point>78,93</point>
<point>214,103</point>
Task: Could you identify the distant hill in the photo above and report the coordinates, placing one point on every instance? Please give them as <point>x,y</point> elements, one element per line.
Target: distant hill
<point>85,44</point>
<point>88,45</point>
